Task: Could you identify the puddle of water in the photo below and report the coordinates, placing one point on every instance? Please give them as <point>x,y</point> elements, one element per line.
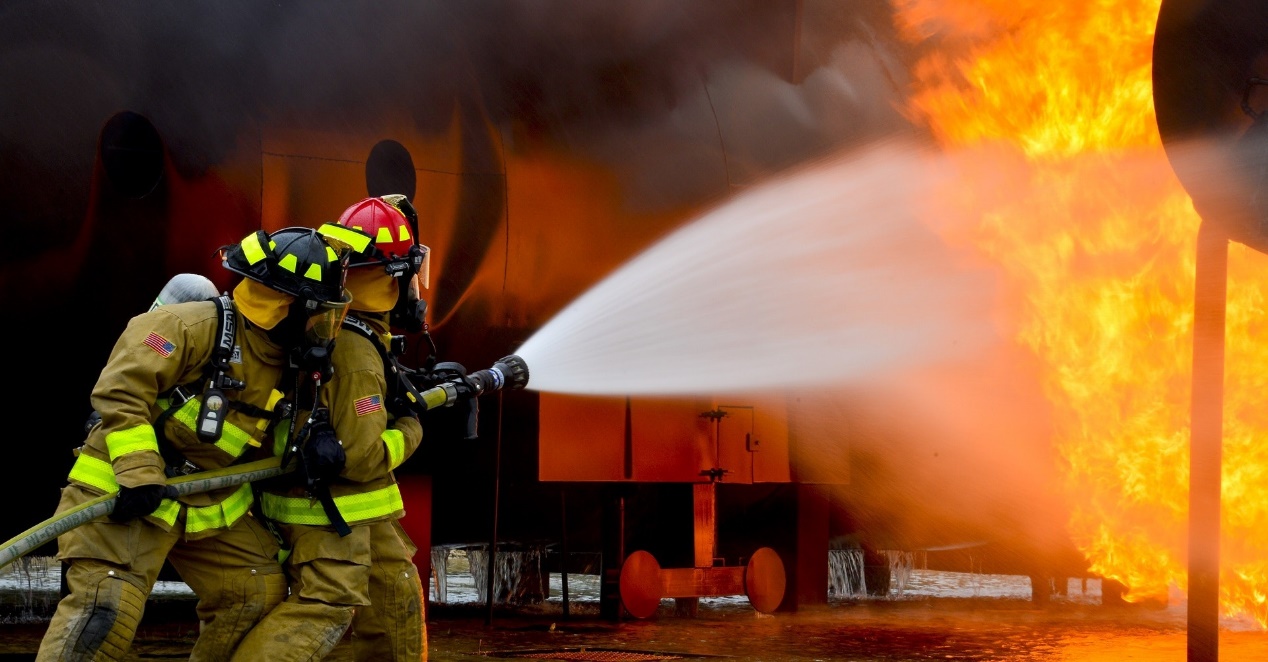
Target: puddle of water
<point>940,616</point>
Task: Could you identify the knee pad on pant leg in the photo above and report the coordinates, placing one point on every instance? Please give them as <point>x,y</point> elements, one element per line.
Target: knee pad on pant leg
<point>261,592</point>
<point>405,615</point>
<point>273,591</point>
<point>111,610</point>
<point>243,596</point>
<point>239,608</point>
<point>391,627</point>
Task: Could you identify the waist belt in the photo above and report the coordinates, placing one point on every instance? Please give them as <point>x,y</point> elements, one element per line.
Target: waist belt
<point>179,465</point>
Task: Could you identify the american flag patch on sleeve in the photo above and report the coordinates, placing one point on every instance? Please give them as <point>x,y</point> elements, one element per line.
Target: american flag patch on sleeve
<point>368,405</point>
<point>158,343</point>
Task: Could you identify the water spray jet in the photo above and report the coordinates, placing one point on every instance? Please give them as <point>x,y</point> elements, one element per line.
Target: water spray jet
<point>830,272</point>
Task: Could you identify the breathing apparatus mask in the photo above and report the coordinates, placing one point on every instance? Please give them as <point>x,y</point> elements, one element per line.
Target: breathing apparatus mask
<point>415,268</point>
<point>410,310</point>
<point>317,324</point>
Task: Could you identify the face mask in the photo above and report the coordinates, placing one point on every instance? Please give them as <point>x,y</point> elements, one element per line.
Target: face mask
<point>323,321</point>
<point>314,342</point>
<point>410,311</point>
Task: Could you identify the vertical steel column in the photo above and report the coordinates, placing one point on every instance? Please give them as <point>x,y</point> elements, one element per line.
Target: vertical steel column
<point>613,551</point>
<point>491,562</point>
<point>563,541</point>
<point>1210,296</point>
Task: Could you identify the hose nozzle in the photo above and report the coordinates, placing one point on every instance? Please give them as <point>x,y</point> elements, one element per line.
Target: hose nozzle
<point>455,384</point>
<point>509,372</point>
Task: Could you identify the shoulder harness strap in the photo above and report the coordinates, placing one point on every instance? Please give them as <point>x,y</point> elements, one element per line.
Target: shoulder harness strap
<point>399,386</point>
<point>211,416</point>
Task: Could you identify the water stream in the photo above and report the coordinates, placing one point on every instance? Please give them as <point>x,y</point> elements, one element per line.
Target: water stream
<point>826,275</point>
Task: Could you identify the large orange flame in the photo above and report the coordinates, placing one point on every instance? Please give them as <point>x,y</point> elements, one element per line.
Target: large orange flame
<point>1098,240</point>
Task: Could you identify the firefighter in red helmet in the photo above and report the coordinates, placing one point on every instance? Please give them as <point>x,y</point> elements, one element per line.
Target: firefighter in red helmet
<point>190,387</point>
<point>394,626</point>
<point>351,571</point>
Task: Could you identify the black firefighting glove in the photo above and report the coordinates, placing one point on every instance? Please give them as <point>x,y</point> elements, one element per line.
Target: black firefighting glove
<point>134,502</point>
<point>321,456</point>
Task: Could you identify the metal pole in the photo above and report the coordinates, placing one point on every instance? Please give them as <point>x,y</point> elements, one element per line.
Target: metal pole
<point>1210,296</point>
<point>493,536</point>
<point>563,535</point>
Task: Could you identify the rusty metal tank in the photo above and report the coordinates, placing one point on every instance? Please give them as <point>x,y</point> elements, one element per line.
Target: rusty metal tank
<point>1210,83</point>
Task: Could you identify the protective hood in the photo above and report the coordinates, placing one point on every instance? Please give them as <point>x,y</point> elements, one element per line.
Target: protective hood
<point>372,290</point>
<point>261,304</point>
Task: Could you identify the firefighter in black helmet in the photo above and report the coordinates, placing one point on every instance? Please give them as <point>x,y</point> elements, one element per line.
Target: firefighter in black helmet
<point>190,387</point>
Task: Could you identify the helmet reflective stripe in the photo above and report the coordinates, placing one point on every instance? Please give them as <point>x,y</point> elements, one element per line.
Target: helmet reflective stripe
<point>252,250</point>
<point>288,262</point>
<point>355,238</point>
<point>313,272</point>
<point>385,235</point>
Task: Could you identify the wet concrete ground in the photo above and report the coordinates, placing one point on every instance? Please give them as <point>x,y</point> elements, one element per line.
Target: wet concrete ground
<point>939,616</point>
<point>872,631</point>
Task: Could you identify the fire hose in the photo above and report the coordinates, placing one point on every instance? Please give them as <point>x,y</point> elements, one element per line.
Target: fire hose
<point>205,481</point>
<point>509,372</point>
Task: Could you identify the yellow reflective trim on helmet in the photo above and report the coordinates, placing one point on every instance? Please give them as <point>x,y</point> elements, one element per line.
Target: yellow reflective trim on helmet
<point>288,262</point>
<point>139,438</point>
<point>404,233</point>
<point>95,472</point>
<point>314,271</point>
<point>233,439</point>
<point>251,248</point>
<point>221,515</point>
<point>395,442</point>
<point>358,241</point>
<point>354,507</point>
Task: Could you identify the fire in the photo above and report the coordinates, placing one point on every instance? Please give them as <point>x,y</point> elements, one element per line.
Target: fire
<point>1097,239</point>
